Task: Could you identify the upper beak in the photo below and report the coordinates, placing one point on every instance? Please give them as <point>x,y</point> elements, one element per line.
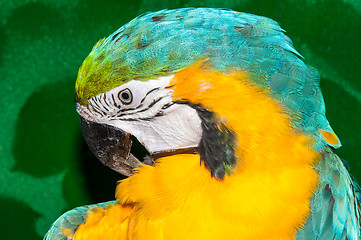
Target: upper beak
<point>110,145</point>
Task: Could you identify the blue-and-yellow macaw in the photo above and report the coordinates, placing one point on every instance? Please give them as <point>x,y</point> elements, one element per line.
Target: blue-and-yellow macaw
<point>235,125</point>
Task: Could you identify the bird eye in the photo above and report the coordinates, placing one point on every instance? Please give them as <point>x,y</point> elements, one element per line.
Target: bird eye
<point>125,96</point>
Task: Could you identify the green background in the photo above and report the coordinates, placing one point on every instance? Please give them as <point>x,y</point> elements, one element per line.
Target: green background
<point>45,166</point>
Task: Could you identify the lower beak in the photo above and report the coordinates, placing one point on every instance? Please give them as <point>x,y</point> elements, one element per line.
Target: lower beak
<point>111,146</point>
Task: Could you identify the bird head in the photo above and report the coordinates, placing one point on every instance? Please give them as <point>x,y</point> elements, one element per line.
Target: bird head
<point>194,81</point>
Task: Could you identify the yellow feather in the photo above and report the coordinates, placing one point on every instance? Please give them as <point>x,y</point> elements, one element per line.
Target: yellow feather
<point>105,224</point>
<point>266,197</point>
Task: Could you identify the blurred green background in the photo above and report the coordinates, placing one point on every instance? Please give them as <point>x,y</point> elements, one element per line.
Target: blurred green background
<point>45,166</point>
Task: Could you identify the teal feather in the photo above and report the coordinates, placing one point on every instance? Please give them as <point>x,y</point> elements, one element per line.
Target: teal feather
<point>71,220</point>
<point>335,205</point>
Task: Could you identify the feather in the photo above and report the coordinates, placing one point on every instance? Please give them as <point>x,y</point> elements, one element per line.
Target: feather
<point>66,225</point>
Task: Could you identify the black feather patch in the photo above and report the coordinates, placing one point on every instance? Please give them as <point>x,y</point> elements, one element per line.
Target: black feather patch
<point>157,18</point>
<point>217,144</point>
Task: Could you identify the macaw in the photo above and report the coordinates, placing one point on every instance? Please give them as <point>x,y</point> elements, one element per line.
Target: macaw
<point>235,126</point>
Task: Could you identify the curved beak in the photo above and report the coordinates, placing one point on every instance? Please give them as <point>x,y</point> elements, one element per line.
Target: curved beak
<point>110,145</point>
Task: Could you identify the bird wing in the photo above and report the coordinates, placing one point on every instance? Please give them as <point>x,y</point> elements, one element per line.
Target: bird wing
<point>66,225</point>
<point>335,206</point>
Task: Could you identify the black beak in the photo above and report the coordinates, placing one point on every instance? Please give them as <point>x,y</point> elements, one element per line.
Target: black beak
<point>110,145</point>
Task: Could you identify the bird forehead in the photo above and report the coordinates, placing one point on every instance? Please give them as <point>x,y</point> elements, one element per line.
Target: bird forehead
<point>160,44</point>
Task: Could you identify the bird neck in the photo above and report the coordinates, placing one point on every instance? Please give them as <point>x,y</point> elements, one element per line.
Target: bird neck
<point>272,181</point>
